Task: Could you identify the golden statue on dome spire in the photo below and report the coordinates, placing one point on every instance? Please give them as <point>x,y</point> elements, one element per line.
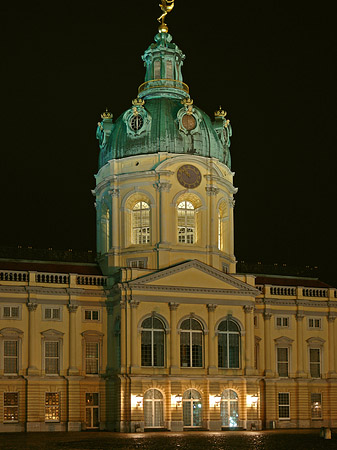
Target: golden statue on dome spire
<point>166,6</point>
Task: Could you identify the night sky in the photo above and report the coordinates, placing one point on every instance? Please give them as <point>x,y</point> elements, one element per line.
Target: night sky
<point>270,65</point>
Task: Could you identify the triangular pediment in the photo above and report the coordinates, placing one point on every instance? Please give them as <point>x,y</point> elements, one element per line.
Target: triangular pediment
<point>194,275</point>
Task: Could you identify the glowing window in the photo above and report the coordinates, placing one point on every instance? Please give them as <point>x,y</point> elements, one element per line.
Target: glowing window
<point>229,344</point>
<point>11,406</point>
<point>153,342</point>
<point>141,223</point>
<point>186,222</point>
<point>191,343</point>
<point>52,407</point>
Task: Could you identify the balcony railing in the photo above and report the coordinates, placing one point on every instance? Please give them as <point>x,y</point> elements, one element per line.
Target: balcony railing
<point>163,83</point>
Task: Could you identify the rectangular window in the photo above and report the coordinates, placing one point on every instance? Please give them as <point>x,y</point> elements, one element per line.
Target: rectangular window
<point>52,313</point>
<point>283,362</point>
<point>52,407</point>
<point>91,315</point>
<point>10,357</point>
<point>52,357</point>
<point>315,362</point>
<point>316,406</point>
<point>91,358</point>
<point>314,323</point>
<point>282,322</point>
<point>156,66</point>
<point>169,69</point>
<point>11,312</point>
<point>11,407</point>
<point>137,263</point>
<point>92,410</point>
<point>284,405</point>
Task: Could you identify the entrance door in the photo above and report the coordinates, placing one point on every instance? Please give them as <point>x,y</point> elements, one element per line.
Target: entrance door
<point>192,408</point>
<point>153,409</point>
<point>92,410</point>
<point>229,408</point>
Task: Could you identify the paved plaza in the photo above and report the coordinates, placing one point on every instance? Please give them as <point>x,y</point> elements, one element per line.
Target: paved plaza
<point>276,439</point>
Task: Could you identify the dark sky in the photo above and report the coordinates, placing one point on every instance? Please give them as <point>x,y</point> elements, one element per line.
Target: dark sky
<point>271,65</point>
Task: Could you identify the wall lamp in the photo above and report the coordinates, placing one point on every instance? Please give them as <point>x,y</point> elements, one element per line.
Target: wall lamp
<point>217,399</point>
<point>178,399</point>
<point>139,400</point>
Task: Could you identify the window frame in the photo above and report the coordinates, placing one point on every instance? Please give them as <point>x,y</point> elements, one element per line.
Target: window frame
<point>314,327</point>
<point>312,402</point>
<point>315,363</point>
<point>11,334</point>
<point>11,307</point>
<point>138,263</point>
<point>190,344</point>
<point>52,336</point>
<point>52,308</point>
<point>143,218</point>
<point>316,343</point>
<point>278,361</point>
<point>92,336</point>
<point>152,331</point>
<point>282,319</point>
<point>186,235</point>
<point>91,311</point>
<point>92,408</point>
<point>57,406</point>
<point>228,333</point>
<point>11,406</point>
<point>287,405</point>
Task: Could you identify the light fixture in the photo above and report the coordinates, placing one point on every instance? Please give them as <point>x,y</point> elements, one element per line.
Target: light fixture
<point>178,398</point>
<point>255,398</point>
<point>217,399</point>
<point>139,399</point>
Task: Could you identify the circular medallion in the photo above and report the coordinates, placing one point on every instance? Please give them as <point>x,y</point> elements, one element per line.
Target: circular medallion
<point>136,122</point>
<point>189,122</point>
<point>189,176</point>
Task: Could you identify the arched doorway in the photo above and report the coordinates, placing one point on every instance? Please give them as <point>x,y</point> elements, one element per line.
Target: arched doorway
<point>229,409</point>
<point>192,408</point>
<point>153,409</point>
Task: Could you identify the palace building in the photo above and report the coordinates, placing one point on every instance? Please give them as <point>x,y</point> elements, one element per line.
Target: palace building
<point>162,333</point>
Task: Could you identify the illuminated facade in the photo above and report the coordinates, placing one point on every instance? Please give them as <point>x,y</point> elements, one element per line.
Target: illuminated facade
<point>168,335</point>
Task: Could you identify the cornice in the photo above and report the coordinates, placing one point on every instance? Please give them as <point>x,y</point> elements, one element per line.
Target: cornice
<point>296,302</point>
<point>51,291</point>
<point>199,290</point>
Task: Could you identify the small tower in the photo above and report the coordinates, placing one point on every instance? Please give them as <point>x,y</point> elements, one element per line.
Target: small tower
<point>164,191</point>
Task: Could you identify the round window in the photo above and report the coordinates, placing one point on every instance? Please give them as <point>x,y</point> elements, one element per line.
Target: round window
<point>189,122</point>
<point>136,122</point>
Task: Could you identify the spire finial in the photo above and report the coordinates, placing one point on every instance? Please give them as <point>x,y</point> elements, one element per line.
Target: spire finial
<point>166,6</point>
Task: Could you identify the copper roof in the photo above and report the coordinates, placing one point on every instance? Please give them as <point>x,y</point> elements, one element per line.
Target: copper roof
<point>50,266</point>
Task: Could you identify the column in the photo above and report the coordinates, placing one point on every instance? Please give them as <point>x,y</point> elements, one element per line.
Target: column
<point>300,364</point>
<point>249,355</point>
<point>332,344</point>
<point>73,369</point>
<point>123,336</point>
<point>267,344</point>
<point>33,352</point>
<point>134,334</point>
<point>211,339</point>
<point>163,188</point>
<point>174,348</point>
<point>212,191</point>
<point>115,211</point>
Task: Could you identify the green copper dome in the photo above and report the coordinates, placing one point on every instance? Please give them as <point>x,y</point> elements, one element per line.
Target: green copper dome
<point>163,118</point>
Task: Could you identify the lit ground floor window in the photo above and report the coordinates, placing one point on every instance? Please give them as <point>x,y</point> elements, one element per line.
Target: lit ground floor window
<point>11,406</point>
<point>52,407</point>
<point>229,408</point>
<point>192,408</point>
<point>284,405</point>
<point>316,405</point>
<point>153,409</point>
<point>92,410</point>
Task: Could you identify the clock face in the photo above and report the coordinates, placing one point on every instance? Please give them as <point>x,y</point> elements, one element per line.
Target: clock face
<point>136,122</point>
<point>188,122</point>
<point>189,176</point>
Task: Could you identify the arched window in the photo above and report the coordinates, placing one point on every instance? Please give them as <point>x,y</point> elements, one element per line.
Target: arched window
<point>229,408</point>
<point>141,223</point>
<point>186,222</point>
<point>153,408</point>
<point>192,408</point>
<point>191,337</point>
<point>229,344</point>
<point>153,342</point>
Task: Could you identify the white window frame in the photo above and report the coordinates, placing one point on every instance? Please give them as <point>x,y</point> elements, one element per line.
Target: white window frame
<point>10,334</point>
<point>282,362</point>
<point>284,321</point>
<point>320,406</point>
<point>92,336</point>
<point>52,336</point>
<point>284,342</point>
<point>316,343</point>
<point>285,404</point>
<point>91,311</point>
<point>92,407</point>
<point>189,233</point>
<point>52,309</point>
<point>312,323</point>
<point>137,263</point>
<point>56,406</point>
<point>11,406</point>
<point>11,317</point>
<point>319,363</point>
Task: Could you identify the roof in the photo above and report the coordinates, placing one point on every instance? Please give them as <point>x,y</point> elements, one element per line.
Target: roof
<point>279,280</point>
<point>50,266</point>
